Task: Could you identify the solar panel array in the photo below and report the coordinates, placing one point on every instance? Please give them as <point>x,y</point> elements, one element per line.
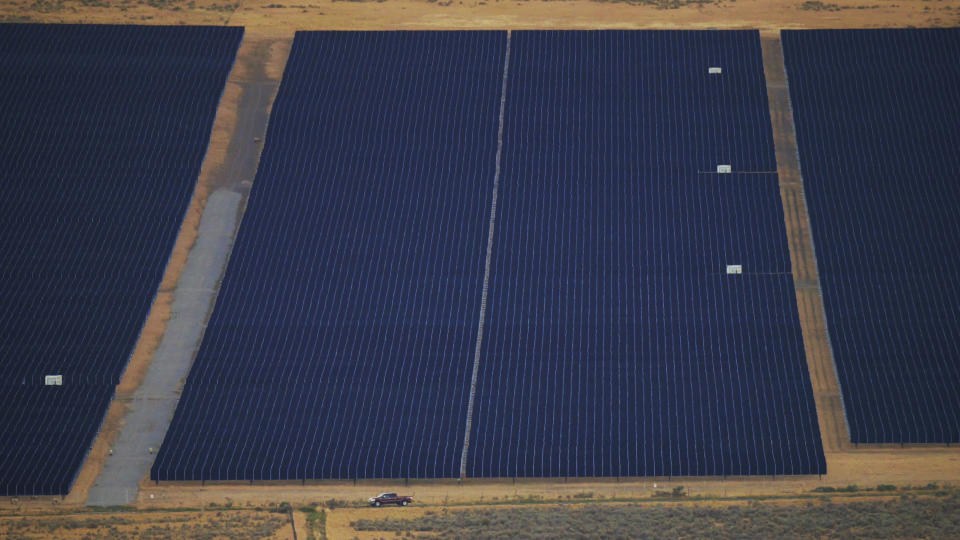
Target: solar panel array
<point>616,343</point>
<point>104,131</point>
<point>343,340</point>
<point>341,345</point>
<point>878,128</point>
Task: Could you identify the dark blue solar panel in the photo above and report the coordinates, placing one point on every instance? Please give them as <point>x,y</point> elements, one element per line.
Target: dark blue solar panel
<point>342,341</point>
<point>877,116</point>
<point>103,132</point>
<point>616,344</point>
<point>47,432</point>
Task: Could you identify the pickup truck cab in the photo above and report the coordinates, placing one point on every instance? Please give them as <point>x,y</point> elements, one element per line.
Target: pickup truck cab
<point>390,498</point>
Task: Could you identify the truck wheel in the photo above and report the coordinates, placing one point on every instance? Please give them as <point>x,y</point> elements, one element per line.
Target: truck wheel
<point>404,503</point>
<point>376,503</point>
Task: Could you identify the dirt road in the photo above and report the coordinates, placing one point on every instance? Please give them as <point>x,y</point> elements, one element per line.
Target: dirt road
<point>282,17</point>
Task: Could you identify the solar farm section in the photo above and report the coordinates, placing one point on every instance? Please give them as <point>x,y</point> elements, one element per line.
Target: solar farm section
<point>559,191</point>
<point>342,341</point>
<point>878,127</point>
<point>103,133</point>
<point>616,344</point>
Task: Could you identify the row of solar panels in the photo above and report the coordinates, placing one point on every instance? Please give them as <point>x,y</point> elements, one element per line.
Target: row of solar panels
<point>345,334</point>
<point>102,133</point>
<point>615,345</point>
<point>877,117</point>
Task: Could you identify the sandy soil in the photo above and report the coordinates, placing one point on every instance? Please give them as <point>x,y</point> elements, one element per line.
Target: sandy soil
<point>282,17</point>
<point>338,521</point>
<point>230,523</point>
<point>863,467</point>
<point>255,520</point>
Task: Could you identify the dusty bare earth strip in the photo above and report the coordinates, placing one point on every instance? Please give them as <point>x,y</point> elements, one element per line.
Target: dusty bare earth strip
<point>826,388</point>
<point>281,17</point>
<point>84,524</point>
<point>230,163</point>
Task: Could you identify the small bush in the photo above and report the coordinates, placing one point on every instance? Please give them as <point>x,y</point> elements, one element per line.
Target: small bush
<point>283,508</point>
<point>332,504</point>
<point>816,5</point>
<point>677,493</point>
<point>886,487</point>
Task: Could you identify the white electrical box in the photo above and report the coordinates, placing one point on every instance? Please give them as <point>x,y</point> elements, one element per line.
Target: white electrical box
<point>734,268</point>
<point>715,70</point>
<point>724,169</point>
<point>53,380</point>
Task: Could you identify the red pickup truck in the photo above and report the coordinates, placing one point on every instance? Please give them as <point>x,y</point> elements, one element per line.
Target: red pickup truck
<point>390,498</point>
